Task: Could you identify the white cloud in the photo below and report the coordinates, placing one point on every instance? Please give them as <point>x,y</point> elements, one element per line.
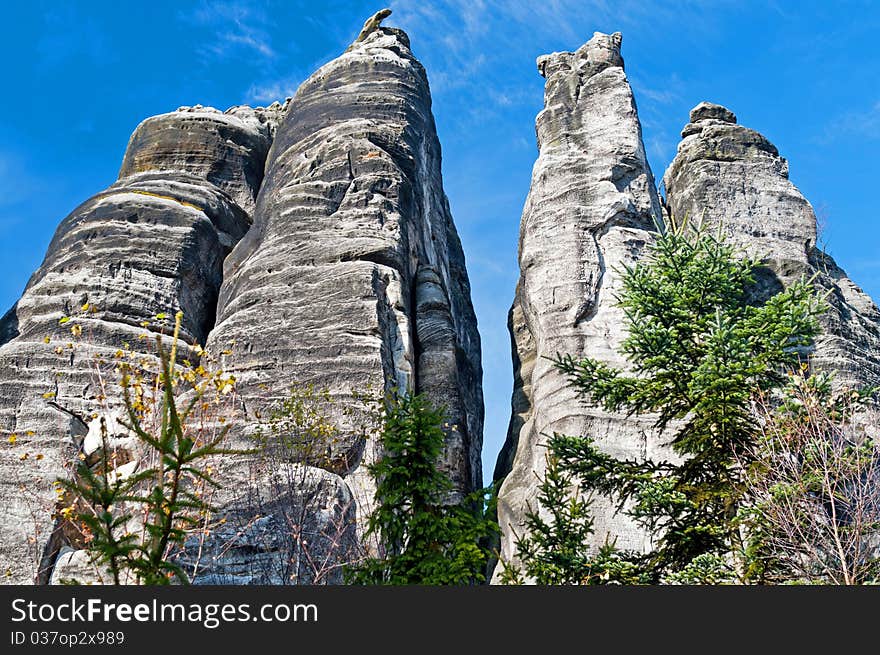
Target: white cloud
<point>480,54</point>
<point>269,92</point>
<point>240,27</point>
<point>249,40</point>
<point>862,123</point>
<point>661,95</point>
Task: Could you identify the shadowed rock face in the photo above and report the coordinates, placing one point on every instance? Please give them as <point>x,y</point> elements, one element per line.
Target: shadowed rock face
<point>727,174</point>
<point>591,209</point>
<point>353,275</point>
<point>154,242</point>
<point>296,526</point>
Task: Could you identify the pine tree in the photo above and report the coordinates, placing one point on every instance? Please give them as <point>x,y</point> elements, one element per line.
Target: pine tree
<point>555,550</point>
<point>426,539</point>
<point>700,346</point>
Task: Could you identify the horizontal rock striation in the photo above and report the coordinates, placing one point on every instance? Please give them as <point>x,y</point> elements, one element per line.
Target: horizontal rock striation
<point>153,243</point>
<point>341,269</point>
<point>729,175</point>
<point>228,149</point>
<point>591,210</point>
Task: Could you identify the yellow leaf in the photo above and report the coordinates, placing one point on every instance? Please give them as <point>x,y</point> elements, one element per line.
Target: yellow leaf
<point>48,395</point>
<point>12,439</point>
<point>46,339</point>
<point>162,316</point>
<point>63,320</point>
<point>85,307</point>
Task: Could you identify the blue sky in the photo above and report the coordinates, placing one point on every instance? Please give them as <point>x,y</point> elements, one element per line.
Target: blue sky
<point>79,76</point>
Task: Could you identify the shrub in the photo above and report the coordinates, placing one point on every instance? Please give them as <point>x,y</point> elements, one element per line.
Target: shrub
<point>813,481</point>
<point>133,500</point>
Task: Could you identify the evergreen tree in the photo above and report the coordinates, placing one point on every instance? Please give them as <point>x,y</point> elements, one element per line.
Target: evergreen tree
<point>700,346</point>
<point>556,551</point>
<point>426,539</point>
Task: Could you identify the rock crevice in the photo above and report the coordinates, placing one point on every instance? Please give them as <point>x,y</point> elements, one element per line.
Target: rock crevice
<point>352,230</point>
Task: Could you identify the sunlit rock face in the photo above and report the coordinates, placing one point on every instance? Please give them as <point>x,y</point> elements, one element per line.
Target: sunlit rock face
<point>153,243</point>
<point>581,224</point>
<point>728,175</point>
<point>353,276</point>
<point>591,209</point>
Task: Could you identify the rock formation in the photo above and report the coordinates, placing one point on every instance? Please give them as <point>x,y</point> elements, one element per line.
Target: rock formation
<point>345,272</point>
<point>370,26</point>
<point>591,209</point>
<point>353,276</point>
<point>728,175</point>
<point>312,243</point>
<point>152,243</point>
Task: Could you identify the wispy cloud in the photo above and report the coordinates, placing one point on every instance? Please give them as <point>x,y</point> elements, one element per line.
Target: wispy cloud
<point>480,53</point>
<point>659,103</point>
<point>240,28</point>
<point>249,39</point>
<point>268,92</point>
<point>664,95</point>
<point>864,124</point>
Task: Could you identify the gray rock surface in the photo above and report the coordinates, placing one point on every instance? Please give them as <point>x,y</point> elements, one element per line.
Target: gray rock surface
<point>297,525</point>
<point>353,276</point>
<point>730,175</point>
<point>154,242</point>
<point>591,209</point>
<point>228,149</point>
<point>75,567</point>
